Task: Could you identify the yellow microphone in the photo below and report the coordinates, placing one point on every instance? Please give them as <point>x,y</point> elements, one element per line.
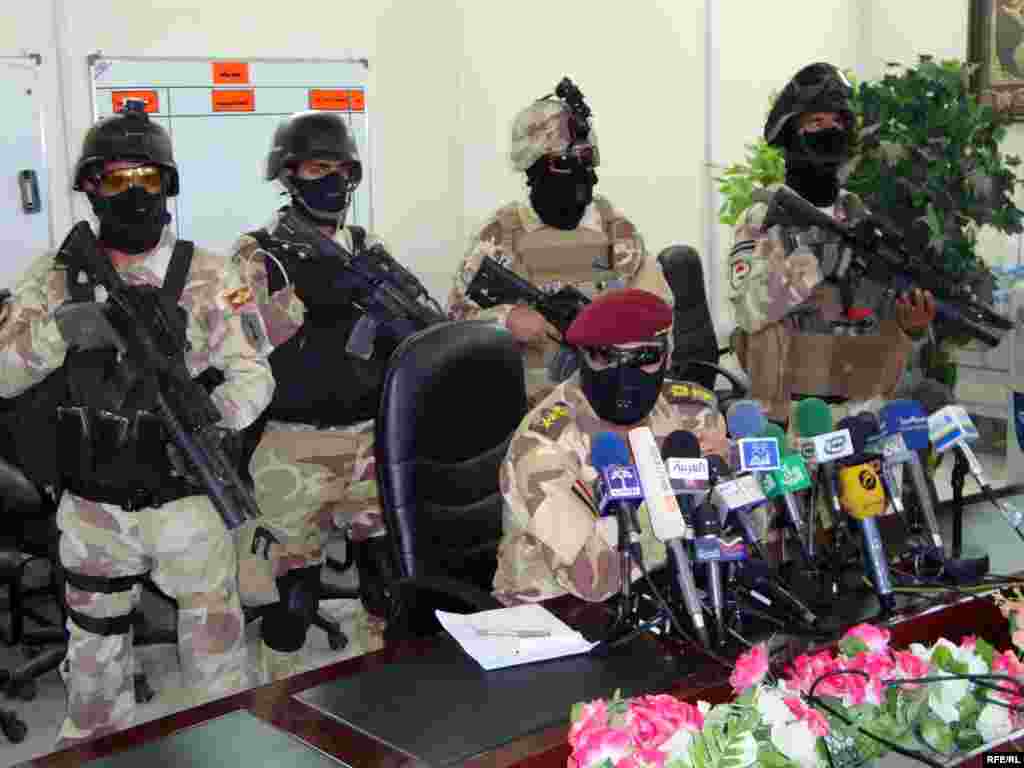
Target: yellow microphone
<point>861,492</point>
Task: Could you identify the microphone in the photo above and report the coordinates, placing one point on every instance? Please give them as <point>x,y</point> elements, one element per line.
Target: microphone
<point>754,455</point>
<point>821,445</point>
<point>667,520</point>
<point>861,495</point>
<point>902,433</point>
<point>783,483</point>
<point>951,428</point>
<point>681,454</point>
<point>619,493</point>
<point>693,330</point>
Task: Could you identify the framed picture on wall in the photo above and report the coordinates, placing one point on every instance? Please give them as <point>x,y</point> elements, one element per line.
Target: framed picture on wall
<point>996,45</point>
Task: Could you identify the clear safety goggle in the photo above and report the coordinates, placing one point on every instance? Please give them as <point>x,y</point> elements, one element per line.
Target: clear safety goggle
<point>115,182</point>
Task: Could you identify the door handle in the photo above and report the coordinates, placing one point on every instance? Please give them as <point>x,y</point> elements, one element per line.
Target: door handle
<point>28,184</point>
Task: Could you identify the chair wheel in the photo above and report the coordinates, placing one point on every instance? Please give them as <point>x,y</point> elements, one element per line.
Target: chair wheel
<point>144,692</point>
<point>14,729</point>
<point>21,689</point>
<point>337,640</point>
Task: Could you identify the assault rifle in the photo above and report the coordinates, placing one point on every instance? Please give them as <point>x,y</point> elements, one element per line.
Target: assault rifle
<point>494,284</point>
<point>393,300</point>
<point>879,254</point>
<point>183,405</point>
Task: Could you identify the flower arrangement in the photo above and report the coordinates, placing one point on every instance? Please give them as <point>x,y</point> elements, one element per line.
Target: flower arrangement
<point>845,708</point>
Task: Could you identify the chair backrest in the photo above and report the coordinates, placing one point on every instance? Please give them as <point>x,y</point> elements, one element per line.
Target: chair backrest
<point>693,329</point>
<point>453,395</point>
<point>18,493</point>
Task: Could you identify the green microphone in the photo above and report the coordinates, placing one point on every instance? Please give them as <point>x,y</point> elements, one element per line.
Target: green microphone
<point>784,482</point>
<point>814,420</point>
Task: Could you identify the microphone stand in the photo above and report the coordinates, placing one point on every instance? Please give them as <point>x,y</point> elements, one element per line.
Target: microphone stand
<point>958,479</point>
<point>626,617</point>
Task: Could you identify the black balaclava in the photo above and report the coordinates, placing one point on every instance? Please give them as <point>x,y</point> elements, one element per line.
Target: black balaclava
<point>132,221</point>
<point>621,394</point>
<point>813,160</point>
<point>325,200</point>
<point>561,199</point>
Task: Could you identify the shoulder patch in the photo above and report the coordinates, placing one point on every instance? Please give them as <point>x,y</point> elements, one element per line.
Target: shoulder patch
<point>688,392</point>
<point>551,421</point>
<point>236,298</point>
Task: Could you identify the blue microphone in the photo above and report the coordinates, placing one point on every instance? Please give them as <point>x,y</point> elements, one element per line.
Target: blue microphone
<point>619,493</point>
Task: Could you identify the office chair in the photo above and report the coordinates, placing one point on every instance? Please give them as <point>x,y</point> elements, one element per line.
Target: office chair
<point>453,395</point>
<point>695,352</point>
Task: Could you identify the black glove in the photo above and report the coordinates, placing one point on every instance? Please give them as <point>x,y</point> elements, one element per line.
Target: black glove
<point>318,283</point>
<point>79,250</point>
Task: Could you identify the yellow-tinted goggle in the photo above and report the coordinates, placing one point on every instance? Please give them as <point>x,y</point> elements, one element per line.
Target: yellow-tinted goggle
<point>115,182</point>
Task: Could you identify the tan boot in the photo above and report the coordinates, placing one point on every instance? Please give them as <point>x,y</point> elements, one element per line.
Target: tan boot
<point>277,665</point>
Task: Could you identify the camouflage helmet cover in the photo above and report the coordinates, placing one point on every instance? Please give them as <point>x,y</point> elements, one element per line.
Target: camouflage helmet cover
<point>543,128</point>
<point>817,87</point>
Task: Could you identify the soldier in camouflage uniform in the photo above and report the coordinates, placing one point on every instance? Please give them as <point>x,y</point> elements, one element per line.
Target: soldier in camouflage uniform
<point>554,541</point>
<point>113,534</point>
<point>796,335</point>
<point>564,234</point>
<point>314,464</point>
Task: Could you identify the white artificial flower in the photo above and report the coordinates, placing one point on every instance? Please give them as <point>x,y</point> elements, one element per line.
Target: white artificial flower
<point>677,747</point>
<point>704,707</point>
<point>920,651</point>
<point>994,723</point>
<point>944,697</point>
<point>795,741</point>
<point>771,707</point>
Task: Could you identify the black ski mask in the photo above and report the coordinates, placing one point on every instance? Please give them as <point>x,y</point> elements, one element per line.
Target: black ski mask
<point>812,164</point>
<point>560,198</point>
<point>325,199</point>
<point>132,221</point>
<point>621,394</point>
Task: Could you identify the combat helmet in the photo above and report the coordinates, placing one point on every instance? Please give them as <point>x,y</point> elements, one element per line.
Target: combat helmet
<point>129,135</point>
<point>549,126</point>
<point>817,87</point>
<point>308,135</point>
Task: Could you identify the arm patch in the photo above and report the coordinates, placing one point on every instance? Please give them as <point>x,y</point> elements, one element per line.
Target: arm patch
<point>677,392</point>
<point>552,421</point>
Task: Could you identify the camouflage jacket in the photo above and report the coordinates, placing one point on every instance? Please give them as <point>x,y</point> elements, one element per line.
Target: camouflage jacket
<point>283,311</point>
<point>224,329</point>
<point>772,272</point>
<point>496,239</point>
<point>553,540</point>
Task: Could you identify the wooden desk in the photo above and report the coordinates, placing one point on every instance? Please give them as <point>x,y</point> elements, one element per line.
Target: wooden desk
<point>274,703</point>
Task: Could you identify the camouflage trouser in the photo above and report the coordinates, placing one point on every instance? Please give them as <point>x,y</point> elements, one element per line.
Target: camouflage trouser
<point>190,556</point>
<point>309,480</point>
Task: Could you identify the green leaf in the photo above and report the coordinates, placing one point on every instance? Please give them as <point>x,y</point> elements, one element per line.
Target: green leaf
<point>942,658</point>
<point>851,646</point>
<point>576,711</point>
<point>985,651</point>
<point>937,734</point>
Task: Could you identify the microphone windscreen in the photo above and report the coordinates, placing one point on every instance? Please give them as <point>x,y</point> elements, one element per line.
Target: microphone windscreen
<point>717,467</point>
<point>860,431</point>
<point>907,418</point>
<point>681,444</point>
<point>813,417</point>
<point>608,448</point>
<point>933,395</point>
<point>745,419</point>
<point>774,430</point>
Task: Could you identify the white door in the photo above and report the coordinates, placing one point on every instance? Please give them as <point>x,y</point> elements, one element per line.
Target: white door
<point>24,193</point>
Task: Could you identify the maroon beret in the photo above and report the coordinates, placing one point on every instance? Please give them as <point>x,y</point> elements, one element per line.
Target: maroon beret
<point>620,317</point>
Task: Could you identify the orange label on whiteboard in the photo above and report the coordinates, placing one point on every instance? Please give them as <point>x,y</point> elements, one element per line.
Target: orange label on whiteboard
<point>228,72</point>
<point>356,101</point>
<point>151,99</point>
<point>233,101</point>
<point>328,98</point>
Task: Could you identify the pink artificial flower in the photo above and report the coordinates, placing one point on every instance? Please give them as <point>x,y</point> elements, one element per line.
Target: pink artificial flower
<point>653,719</point>
<point>877,665</point>
<point>969,643</point>
<point>594,714</point>
<point>1007,663</point>
<point>596,745</point>
<point>816,722</point>
<point>875,638</point>
<point>910,667</point>
<point>807,669</point>
<point>644,758</point>
<point>750,668</point>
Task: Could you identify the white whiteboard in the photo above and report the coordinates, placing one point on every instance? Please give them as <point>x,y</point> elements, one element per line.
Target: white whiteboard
<point>221,116</point>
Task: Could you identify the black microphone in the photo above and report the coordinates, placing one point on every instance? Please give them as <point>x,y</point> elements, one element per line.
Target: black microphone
<point>692,327</point>
<point>680,449</point>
